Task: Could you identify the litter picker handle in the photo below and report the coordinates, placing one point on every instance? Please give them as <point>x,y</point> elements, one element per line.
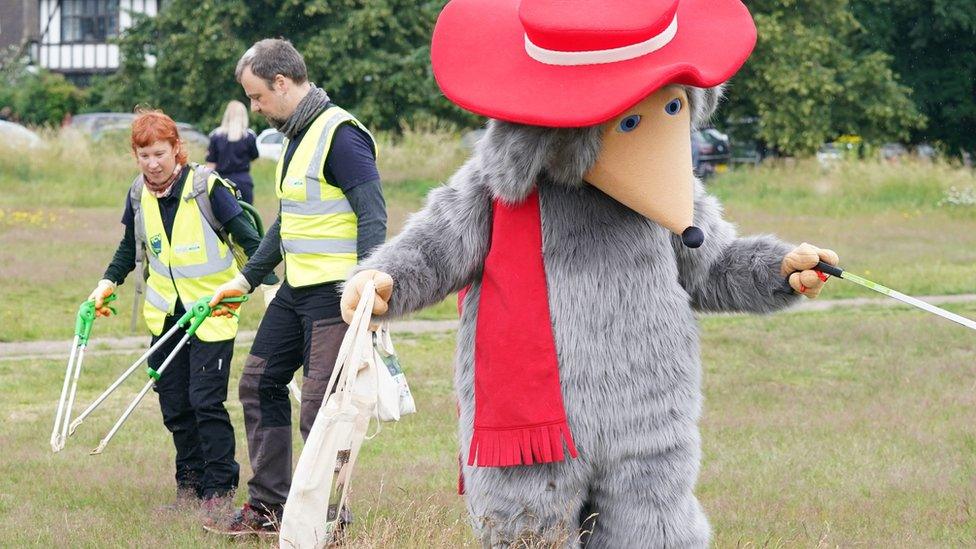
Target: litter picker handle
<point>832,270</point>
<point>86,317</point>
<point>825,268</point>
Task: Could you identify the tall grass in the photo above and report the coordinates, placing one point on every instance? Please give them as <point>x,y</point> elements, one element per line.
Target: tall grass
<point>68,169</point>
<point>428,153</point>
<point>844,188</point>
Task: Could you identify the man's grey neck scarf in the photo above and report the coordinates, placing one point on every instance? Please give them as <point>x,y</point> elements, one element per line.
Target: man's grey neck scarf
<point>308,108</point>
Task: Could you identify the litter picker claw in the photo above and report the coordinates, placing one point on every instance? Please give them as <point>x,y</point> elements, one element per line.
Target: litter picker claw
<point>83,327</point>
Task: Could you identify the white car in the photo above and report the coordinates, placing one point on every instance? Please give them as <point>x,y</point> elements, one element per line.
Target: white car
<point>269,144</point>
<point>18,136</point>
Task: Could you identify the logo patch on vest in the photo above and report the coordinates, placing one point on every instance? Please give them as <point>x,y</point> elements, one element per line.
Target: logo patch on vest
<point>296,182</point>
<point>156,244</point>
<point>187,248</point>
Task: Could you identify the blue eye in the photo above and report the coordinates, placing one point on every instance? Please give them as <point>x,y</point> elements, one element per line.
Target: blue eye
<point>629,124</point>
<point>673,107</point>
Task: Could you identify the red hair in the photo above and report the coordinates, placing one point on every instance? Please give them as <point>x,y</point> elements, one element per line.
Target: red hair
<point>151,126</point>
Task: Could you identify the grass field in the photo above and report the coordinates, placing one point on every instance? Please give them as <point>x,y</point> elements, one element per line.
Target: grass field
<point>60,211</point>
<point>852,427</point>
<point>820,429</point>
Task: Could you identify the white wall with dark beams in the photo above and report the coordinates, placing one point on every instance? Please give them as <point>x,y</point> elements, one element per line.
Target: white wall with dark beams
<point>74,55</point>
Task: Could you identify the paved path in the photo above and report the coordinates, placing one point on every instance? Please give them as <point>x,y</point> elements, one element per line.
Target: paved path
<point>127,345</point>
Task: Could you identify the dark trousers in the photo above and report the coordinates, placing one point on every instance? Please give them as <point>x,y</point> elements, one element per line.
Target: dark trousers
<point>192,391</point>
<point>302,326</point>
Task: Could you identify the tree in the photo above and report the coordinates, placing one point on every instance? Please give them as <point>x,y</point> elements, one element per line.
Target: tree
<point>933,45</point>
<point>37,97</point>
<point>181,61</point>
<point>808,82</point>
<point>372,57</point>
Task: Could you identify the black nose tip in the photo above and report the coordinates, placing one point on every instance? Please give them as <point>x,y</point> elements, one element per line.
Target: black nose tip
<point>693,237</point>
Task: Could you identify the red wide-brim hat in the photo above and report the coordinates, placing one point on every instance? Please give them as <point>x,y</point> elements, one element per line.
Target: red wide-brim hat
<point>572,63</point>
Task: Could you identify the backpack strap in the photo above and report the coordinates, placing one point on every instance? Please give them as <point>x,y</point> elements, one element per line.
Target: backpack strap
<point>135,202</point>
<point>139,228</point>
<point>198,192</point>
<point>201,175</point>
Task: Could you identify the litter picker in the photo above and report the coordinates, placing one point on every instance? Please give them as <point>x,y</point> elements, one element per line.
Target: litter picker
<point>840,273</point>
<point>191,320</point>
<point>83,327</point>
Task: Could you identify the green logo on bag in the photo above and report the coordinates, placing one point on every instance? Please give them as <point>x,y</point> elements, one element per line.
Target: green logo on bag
<point>156,243</point>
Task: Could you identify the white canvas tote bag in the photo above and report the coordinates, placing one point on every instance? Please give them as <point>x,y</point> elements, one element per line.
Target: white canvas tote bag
<point>322,477</point>
<point>394,399</point>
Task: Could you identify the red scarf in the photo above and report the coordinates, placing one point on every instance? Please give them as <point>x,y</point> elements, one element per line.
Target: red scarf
<point>519,417</point>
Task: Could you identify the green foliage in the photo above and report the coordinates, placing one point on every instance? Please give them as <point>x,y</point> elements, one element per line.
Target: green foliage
<point>821,69</point>
<point>38,98</point>
<point>194,47</point>
<point>376,56</point>
<point>933,45</point>
<point>372,57</point>
<point>808,82</point>
<point>133,83</point>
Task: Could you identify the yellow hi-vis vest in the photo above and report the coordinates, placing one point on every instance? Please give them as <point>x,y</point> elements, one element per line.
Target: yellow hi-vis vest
<point>318,226</point>
<point>188,265</point>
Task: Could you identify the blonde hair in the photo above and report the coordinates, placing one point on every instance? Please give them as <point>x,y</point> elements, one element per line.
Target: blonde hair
<point>234,123</point>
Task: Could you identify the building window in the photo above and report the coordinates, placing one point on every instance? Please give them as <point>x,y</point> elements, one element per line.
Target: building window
<point>91,21</point>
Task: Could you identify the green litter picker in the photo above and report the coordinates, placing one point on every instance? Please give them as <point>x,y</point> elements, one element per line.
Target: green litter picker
<point>191,320</point>
<point>83,327</point>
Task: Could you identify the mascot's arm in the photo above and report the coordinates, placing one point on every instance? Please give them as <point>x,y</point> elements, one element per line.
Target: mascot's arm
<point>440,250</point>
<point>729,273</point>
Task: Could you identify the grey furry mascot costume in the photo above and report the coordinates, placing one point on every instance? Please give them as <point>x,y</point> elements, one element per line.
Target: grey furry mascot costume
<point>585,246</point>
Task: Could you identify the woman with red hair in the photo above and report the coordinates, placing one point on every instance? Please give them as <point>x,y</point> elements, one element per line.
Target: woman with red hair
<point>187,258</point>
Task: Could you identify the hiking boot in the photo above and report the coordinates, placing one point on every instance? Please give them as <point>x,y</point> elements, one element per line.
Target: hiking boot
<point>217,509</point>
<point>246,522</point>
<point>186,500</point>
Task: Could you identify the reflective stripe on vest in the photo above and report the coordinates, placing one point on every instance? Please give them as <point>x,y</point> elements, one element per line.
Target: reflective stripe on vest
<point>318,227</point>
<point>186,266</point>
<point>153,298</point>
<point>319,246</point>
<point>215,265</point>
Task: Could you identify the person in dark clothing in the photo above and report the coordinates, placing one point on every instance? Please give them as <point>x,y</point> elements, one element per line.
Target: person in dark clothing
<point>332,214</point>
<point>233,146</point>
<point>187,261</point>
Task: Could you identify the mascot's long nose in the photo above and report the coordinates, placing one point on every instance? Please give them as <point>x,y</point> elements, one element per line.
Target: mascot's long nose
<point>645,162</point>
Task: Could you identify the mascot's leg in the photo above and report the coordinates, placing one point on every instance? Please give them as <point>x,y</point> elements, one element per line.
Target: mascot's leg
<point>527,506</point>
<point>647,501</point>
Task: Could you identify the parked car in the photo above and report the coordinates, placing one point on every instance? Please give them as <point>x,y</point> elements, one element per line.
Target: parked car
<point>269,144</point>
<point>829,154</point>
<point>18,136</point>
<point>711,152</point>
<point>98,124</point>
<point>893,151</point>
<point>926,151</point>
